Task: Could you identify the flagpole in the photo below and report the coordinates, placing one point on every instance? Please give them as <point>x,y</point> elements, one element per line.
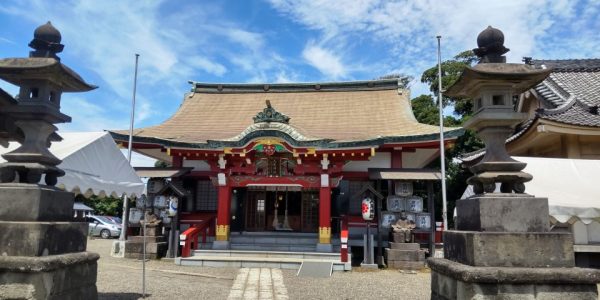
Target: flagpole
<point>442,155</point>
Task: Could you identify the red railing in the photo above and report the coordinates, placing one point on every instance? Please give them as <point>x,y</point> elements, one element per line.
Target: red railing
<point>189,238</point>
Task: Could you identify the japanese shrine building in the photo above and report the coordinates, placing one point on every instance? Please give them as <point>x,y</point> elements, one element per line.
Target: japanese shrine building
<point>257,150</point>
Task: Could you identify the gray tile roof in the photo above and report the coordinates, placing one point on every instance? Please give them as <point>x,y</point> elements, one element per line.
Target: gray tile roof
<point>569,65</point>
<point>571,93</point>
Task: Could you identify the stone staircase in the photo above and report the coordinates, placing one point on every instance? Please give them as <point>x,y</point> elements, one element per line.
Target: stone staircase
<point>282,250</point>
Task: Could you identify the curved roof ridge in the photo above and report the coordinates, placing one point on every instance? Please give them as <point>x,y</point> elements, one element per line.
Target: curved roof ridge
<point>361,85</point>
<point>570,65</point>
<point>552,92</point>
<point>293,131</point>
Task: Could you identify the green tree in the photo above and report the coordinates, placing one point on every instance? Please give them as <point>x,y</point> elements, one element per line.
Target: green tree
<point>451,70</point>
<point>108,206</point>
<point>161,164</point>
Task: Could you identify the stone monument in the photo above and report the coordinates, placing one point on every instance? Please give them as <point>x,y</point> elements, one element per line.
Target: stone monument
<point>403,252</point>
<point>502,247</point>
<point>42,251</point>
<point>156,243</point>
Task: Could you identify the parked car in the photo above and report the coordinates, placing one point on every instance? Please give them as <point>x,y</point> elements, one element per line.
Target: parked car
<point>103,227</point>
<point>115,220</point>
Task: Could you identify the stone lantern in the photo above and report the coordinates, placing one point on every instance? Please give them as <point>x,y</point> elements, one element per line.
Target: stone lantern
<point>493,84</point>
<point>502,247</point>
<point>42,252</point>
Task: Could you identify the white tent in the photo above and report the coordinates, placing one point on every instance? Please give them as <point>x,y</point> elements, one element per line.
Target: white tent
<point>93,165</point>
<point>571,185</point>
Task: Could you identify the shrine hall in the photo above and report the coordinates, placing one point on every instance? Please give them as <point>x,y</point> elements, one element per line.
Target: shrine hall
<point>290,157</point>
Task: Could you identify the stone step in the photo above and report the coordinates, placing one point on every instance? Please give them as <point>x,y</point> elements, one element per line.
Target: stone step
<point>282,240</point>
<point>271,254</point>
<point>404,255</point>
<point>405,246</point>
<point>255,262</point>
<point>274,247</point>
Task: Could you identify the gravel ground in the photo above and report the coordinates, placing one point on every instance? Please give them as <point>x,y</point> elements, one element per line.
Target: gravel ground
<point>122,279</point>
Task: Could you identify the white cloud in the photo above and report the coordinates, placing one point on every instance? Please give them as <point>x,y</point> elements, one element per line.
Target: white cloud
<point>208,65</point>
<point>407,29</point>
<point>324,60</point>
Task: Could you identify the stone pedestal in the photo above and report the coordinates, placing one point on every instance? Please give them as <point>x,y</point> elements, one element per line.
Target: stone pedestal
<point>503,249</point>
<point>402,255</point>
<point>42,254</point>
<point>156,247</point>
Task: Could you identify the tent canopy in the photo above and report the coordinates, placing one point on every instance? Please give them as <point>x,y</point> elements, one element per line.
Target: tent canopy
<point>571,185</point>
<point>93,165</point>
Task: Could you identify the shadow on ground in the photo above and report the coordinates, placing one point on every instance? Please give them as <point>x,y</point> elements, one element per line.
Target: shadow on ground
<point>121,296</point>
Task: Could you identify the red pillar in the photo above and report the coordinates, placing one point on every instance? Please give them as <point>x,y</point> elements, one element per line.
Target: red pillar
<point>325,215</point>
<point>223,213</point>
<point>177,161</point>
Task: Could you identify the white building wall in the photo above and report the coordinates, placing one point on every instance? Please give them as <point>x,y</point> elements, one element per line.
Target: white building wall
<point>418,159</point>
<point>380,160</point>
<point>580,233</point>
<point>198,165</point>
<point>593,230</point>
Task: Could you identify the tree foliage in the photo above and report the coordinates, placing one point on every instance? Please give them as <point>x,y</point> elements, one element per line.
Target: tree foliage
<point>451,70</point>
<point>108,206</point>
<point>161,164</point>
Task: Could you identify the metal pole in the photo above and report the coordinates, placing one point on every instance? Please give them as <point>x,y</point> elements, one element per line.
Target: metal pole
<point>430,203</point>
<point>125,219</point>
<point>137,56</point>
<point>442,155</point>
<point>144,253</point>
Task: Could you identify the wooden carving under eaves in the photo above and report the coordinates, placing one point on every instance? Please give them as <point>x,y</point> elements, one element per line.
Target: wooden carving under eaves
<point>269,114</point>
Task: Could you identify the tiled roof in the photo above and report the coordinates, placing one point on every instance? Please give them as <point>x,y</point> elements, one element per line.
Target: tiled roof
<point>336,112</point>
<point>572,91</point>
<point>569,65</point>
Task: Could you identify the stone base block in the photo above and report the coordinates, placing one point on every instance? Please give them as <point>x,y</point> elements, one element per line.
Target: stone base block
<point>451,280</point>
<point>66,276</point>
<point>369,266</point>
<point>405,255</point>
<point>153,250</point>
<point>400,237</point>
<point>503,212</point>
<point>503,249</point>
<point>406,265</point>
<point>42,238</point>
<point>153,231</point>
<point>32,202</point>
<point>118,249</point>
<point>405,246</point>
<point>149,239</point>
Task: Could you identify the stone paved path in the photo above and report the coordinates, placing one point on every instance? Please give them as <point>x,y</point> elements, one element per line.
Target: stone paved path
<point>258,283</point>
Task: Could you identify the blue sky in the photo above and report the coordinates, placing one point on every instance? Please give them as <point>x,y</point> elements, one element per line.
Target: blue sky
<point>274,41</point>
